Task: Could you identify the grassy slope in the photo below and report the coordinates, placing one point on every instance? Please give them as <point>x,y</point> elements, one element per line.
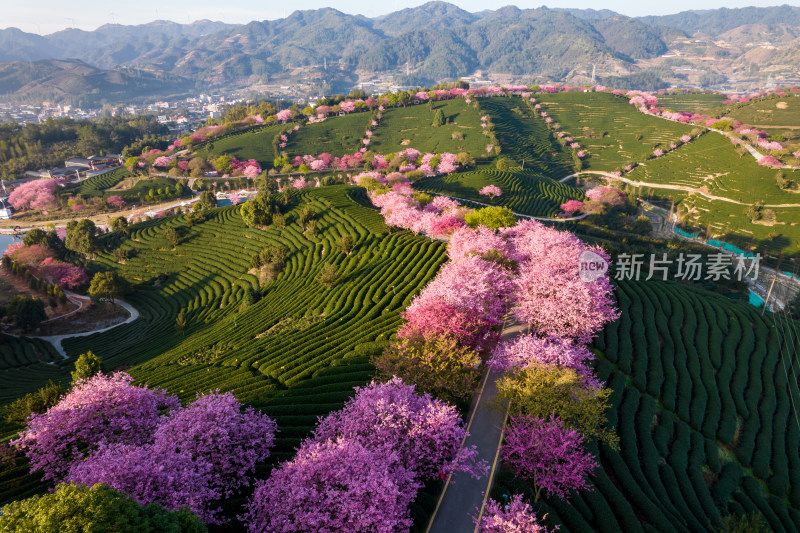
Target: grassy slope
<point>410,127</point>
<point>614,132</point>
<point>703,413</point>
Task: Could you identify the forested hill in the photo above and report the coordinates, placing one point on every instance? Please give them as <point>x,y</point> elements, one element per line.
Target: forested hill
<point>434,42</point>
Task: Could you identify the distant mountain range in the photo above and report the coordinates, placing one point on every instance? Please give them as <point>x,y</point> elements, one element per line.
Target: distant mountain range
<point>326,50</point>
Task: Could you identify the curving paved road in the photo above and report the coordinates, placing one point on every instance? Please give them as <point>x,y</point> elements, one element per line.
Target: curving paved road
<point>55,340</point>
<point>664,186</point>
<point>463,499</point>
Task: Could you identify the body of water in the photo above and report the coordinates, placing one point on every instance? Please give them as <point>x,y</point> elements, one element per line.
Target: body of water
<point>6,240</point>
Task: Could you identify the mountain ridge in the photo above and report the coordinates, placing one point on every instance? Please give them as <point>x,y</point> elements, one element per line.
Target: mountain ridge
<point>433,42</point>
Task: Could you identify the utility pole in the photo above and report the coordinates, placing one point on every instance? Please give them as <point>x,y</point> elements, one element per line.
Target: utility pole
<point>774,279</point>
<point>769,293</point>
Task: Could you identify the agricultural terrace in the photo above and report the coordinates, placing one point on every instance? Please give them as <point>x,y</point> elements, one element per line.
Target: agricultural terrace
<point>97,186</point>
<point>690,103</point>
<point>524,192</point>
<point>704,415</point>
<point>250,144</point>
<point>404,127</point>
<point>523,137</point>
<point>711,161</point>
<point>767,113</point>
<point>336,135</point>
<point>730,223</point>
<point>300,349</point>
<point>614,132</point>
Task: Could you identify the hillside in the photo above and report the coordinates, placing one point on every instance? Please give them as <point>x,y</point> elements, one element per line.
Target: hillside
<point>82,84</point>
<point>344,261</point>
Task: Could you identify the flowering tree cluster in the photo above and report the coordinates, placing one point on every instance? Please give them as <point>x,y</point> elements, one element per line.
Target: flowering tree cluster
<point>143,443</point>
<point>400,209</point>
<point>363,465</point>
<point>63,274</point>
<point>115,201</point>
<point>36,194</point>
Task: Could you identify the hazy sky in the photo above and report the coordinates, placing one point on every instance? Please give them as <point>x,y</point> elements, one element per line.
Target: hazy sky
<point>47,16</point>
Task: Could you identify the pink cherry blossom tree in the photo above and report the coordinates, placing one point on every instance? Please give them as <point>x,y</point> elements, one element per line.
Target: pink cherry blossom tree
<point>115,201</point>
<point>283,116</point>
<point>63,274</point>
<point>425,433</point>
<point>491,191</point>
<point>36,194</point>
<point>515,517</point>
<point>571,206</point>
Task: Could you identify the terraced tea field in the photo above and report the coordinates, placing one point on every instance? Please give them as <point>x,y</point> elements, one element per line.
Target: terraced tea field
<point>614,132</point>
<point>336,135</point>
<point>24,365</point>
<point>711,161</point>
<point>524,192</point>
<point>251,144</point>
<point>404,127</point>
<point>298,351</point>
<point>524,137</point>
<point>703,393</point>
<point>97,185</point>
<point>768,113</point>
<point>730,222</point>
<point>690,103</point>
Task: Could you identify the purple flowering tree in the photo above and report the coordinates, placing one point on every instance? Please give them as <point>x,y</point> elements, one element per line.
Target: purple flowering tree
<point>547,453</point>
<point>97,411</point>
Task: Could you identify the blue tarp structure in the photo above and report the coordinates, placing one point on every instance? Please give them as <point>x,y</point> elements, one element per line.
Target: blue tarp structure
<point>728,247</point>
<point>686,234</point>
<point>756,301</point>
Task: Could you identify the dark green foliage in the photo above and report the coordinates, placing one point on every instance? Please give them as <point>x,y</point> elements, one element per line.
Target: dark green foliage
<point>40,401</point>
<point>259,211</point>
<point>107,286</point>
<point>28,312</point>
<point>207,200</point>
<point>81,236</point>
<point>87,365</point>
<point>345,244</point>
<point>171,236</point>
<point>328,275</point>
<point>79,509</point>
<point>120,224</point>
<point>250,297</point>
<point>438,118</point>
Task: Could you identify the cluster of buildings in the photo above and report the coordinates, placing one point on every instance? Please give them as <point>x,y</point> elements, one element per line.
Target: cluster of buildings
<point>80,167</point>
